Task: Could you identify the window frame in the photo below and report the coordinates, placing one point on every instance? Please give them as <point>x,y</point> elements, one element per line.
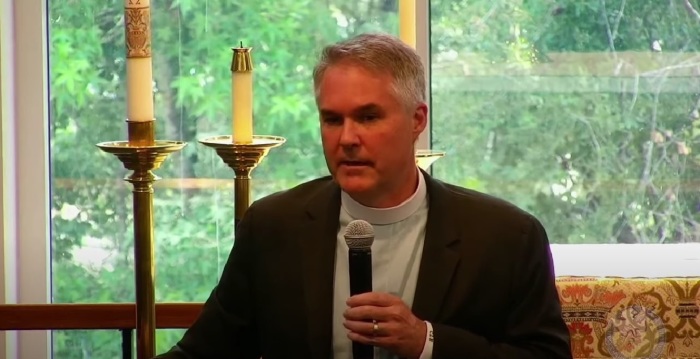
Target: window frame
<point>25,168</point>
<point>7,221</point>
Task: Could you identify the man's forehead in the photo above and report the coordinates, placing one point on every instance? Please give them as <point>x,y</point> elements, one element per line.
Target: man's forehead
<point>370,106</point>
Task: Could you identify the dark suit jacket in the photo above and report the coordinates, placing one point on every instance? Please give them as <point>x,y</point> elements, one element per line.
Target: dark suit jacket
<point>485,283</point>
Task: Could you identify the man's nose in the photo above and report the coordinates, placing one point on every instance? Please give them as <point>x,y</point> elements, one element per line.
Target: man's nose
<point>348,134</point>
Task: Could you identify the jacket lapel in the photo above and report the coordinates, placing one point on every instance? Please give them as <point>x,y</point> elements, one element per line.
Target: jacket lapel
<point>439,259</point>
<point>318,242</point>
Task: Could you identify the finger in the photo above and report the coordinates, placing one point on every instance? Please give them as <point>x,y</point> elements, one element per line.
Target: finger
<point>378,341</point>
<point>378,299</point>
<point>363,328</point>
<point>371,329</point>
<point>367,313</point>
<point>359,338</point>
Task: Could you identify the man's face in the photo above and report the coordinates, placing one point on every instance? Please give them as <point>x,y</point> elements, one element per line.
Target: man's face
<point>368,135</point>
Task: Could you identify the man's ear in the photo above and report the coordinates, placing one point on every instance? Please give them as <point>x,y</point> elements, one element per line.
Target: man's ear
<point>420,119</point>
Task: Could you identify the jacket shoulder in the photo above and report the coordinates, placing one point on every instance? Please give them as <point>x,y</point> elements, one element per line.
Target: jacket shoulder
<point>293,199</point>
<point>486,203</point>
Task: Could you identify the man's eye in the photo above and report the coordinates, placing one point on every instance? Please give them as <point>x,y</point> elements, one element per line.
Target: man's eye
<point>333,120</point>
<point>369,117</point>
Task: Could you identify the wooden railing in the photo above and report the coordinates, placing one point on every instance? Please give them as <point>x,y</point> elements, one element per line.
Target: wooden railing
<point>108,316</point>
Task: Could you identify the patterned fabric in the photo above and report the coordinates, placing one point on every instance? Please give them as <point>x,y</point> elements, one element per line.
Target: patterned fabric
<point>632,317</point>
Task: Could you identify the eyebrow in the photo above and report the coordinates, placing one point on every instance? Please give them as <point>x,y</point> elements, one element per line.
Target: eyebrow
<point>326,113</point>
<point>356,110</point>
<point>367,107</point>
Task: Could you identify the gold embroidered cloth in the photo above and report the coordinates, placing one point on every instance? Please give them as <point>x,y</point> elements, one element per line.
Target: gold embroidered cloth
<point>632,317</point>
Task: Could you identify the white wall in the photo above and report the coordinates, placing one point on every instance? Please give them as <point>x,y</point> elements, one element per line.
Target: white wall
<point>7,198</point>
<point>25,176</point>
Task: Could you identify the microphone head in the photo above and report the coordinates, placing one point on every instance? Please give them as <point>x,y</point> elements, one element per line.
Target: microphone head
<point>359,234</point>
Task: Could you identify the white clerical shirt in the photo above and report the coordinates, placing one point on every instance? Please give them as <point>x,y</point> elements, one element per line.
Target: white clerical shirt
<point>396,255</point>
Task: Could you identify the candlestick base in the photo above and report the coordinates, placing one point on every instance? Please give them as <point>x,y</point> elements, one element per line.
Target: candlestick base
<point>425,158</point>
<point>142,157</point>
<point>243,158</point>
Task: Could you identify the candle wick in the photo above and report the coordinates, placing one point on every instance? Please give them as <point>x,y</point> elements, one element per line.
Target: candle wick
<point>241,44</point>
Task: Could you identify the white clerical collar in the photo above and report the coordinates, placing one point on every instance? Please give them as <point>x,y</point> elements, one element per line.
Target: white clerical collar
<point>386,215</point>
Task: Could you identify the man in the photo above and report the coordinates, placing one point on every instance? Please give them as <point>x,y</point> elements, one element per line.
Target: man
<point>456,273</point>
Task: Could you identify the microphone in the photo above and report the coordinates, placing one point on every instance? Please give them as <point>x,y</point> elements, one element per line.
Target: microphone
<point>359,236</point>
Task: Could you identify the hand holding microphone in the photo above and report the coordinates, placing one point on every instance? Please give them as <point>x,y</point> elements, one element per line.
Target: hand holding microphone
<point>376,319</point>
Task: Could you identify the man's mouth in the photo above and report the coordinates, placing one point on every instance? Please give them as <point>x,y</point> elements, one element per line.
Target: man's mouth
<point>355,163</point>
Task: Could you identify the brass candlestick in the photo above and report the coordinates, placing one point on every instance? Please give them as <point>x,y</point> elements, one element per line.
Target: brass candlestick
<point>425,158</point>
<point>242,158</point>
<point>142,155</point>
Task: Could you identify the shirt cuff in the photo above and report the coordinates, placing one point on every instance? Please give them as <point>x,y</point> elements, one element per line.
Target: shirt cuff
<point>428,346</point>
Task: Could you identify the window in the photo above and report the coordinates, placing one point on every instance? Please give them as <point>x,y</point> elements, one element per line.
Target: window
<point>585,113</point>
<point>91,216</point>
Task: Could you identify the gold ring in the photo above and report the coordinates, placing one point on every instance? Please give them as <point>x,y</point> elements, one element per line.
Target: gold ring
<point>375,327</point>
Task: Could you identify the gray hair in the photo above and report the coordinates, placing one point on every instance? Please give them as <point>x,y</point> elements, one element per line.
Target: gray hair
<point>381,53</point>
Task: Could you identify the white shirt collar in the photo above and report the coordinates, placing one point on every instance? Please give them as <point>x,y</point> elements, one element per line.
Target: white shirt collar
<point>379,216</point>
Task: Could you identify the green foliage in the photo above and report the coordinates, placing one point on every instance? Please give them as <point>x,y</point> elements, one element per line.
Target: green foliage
<point>598,158</point>
<point>596,164</point>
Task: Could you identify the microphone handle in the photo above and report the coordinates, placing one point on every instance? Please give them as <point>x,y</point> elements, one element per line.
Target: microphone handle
<point>360,264</point>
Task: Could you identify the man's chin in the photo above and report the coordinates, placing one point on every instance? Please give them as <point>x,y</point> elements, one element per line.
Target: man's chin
<point>353,185</point>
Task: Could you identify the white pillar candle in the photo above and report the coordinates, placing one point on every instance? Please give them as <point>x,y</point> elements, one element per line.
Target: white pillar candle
<point>242,95</point>
<point>139,72</point>
<point>407,22</point>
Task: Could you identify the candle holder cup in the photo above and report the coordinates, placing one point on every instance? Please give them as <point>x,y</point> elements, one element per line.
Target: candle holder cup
<point>243,158</point>
<point>425,158</point>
